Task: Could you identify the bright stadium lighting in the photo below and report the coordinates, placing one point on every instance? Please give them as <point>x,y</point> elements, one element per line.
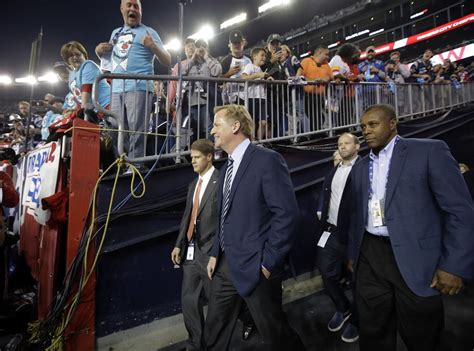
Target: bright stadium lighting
<point>5,80</point>
<point>28,80</point>
<point>376,32</point>
<point>271,4</point>
<point>237,19</point>
<point>173,45</point>
<point>49,77</point>
<point>206,32</point>
<point>333,45</point>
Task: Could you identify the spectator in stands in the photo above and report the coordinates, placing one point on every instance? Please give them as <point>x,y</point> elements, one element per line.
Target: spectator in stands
<point>316,70</point>
<point>205,66</point>
<point>257,93</point>
<point>232,67</point>
<point>399,66</point>
<point>291,64</point>
<point>420,69</point>
<point>470,71</point>
<point>276,97</point>
<point>372,69</point>
<point>50,117</point>
<point>63,71</point>
<point>393,73</point>
<point>345,69</point>
<point>436,74</point>
<point>189,49</point>
<point>462,73</point>
<point>34,132</point>
<point>82,77</point>
<point>132,48</point>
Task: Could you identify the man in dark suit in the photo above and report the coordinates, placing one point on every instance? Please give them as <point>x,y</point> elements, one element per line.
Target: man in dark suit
<point>332,242</point>
<point>257,221</point>
<point>412,235</point>
<point>195,240</point>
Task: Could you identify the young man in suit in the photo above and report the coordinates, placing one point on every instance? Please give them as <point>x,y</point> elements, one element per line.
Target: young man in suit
<point>332,243</point>
<point>258,214</point>
<point>412,235</point>
<point>195,240</point>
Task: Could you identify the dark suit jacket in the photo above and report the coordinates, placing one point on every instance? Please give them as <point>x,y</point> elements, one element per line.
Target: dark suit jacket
<point>345,208</point>
<point>428,210</point>
<point>260,224</point>
<point>206,221</point>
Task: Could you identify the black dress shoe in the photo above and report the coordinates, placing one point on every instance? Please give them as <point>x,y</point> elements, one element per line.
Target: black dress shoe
<point>247,330</point>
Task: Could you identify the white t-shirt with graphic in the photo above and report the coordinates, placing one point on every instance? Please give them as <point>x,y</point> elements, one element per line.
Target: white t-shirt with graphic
<point>256,91</point>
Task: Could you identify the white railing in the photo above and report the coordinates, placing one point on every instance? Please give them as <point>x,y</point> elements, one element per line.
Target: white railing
<point>281,110</point>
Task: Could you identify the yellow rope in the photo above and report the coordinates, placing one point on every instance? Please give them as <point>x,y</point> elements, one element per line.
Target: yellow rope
<point>57,343</point>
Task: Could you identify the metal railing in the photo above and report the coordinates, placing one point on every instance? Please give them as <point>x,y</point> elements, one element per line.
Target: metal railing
<point>281,110</point>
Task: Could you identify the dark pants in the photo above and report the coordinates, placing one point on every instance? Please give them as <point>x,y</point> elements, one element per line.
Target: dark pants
<point>264,304</point>
<point>386,304</point>
<point>195,283</point>
<point>331,259</point>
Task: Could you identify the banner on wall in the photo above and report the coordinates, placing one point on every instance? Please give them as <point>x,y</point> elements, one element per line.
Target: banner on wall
<point>40,174</point>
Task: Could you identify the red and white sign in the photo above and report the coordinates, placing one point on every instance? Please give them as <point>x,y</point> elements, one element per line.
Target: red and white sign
<point>453,55</point>
<point>424,36</point>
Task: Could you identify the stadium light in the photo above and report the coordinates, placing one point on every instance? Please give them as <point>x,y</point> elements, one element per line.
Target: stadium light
<point>378,31</point>
<point>271,4</point>
<point>5,80</point>
<point>173,45</point>
<point>333,45</point>
<point>206,32</point>
<point>237,19</point>
<point>49,77</point>
<point>28,80</point>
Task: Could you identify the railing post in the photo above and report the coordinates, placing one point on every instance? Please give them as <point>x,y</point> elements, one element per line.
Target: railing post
<point>330,103</point>
<point>293,111</point>
<point>410,98</point>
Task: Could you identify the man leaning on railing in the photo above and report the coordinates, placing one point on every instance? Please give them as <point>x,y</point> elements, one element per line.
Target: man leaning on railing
<point>132,49</point>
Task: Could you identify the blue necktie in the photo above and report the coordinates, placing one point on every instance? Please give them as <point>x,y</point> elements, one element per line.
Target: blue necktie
<point>226,198</point>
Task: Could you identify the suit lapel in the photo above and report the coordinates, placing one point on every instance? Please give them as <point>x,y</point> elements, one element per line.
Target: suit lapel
<point>209,189</point>
<point>396,167</point>
<point>364,169</point>
<point>240,172</point>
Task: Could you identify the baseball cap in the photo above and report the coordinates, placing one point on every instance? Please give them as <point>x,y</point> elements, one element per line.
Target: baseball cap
<point>274,37</point>
<point>201,43</point>
<point>235,36</point>
<point>370,48</point>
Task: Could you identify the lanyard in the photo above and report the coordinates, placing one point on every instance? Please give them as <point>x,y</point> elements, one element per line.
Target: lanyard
<point>371,170</point>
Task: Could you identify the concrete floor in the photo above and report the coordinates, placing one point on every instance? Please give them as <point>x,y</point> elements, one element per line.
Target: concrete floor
<point>309,317</point>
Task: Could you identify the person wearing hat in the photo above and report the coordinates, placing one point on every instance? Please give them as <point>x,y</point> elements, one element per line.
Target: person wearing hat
<point>189,49</point>
<point>372,69</point>
<point>200,94</point>
<point>275,69</point>
<point>233,65</point>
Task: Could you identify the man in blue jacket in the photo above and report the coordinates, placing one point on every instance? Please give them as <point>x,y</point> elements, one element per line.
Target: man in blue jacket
<point>412,235</point>
<point>257,213</point>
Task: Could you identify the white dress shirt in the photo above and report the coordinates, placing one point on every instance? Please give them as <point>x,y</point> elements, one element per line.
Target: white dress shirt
<point>381,166</point>
<point>337,188</point>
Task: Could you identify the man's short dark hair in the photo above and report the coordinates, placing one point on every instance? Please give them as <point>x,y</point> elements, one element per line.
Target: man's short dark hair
<point>320,48</point>
<point>204,146</point>
<point>189,41</point>
<point>255,51</point>
<point>429,49</point>
<point>387,110</point>
<point>347,50</point>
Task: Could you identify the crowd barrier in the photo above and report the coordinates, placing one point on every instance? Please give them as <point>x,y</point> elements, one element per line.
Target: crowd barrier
<point>281,110</point>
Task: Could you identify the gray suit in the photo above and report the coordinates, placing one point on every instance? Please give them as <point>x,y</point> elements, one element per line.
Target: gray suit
<point>195,278</point>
